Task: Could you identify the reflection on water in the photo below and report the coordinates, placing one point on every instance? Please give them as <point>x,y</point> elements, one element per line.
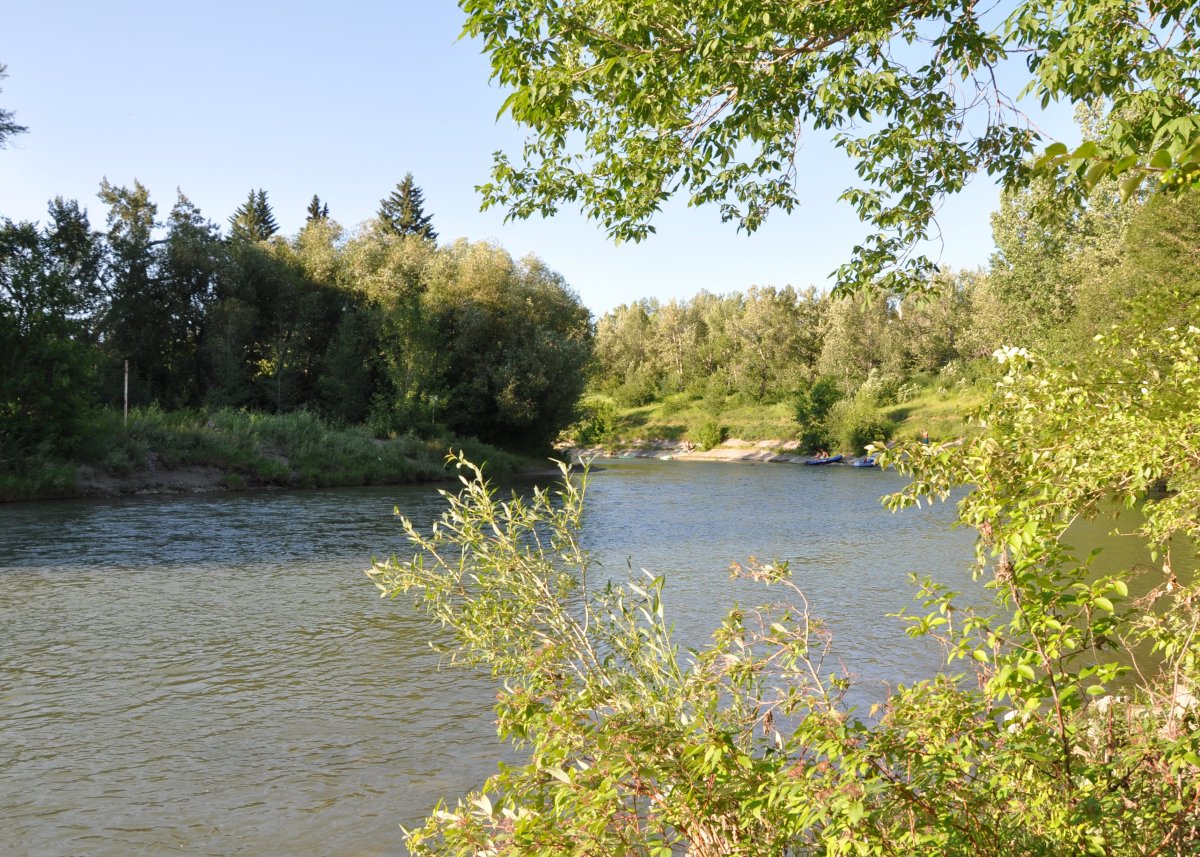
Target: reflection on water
<point>215,675</point>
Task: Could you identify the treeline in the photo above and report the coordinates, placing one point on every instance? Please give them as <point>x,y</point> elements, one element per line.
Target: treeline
<point>380,324</point>
<point>1062,272</point>
<point>767,344</point>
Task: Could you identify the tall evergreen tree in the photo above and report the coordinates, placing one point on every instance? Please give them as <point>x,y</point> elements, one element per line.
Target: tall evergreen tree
<point>403,212</point>
<point>253,220</point>
<point>317,210</point>
<point>8,127</point>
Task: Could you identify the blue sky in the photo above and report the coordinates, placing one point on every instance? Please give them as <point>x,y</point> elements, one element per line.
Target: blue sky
<point>217,98</point>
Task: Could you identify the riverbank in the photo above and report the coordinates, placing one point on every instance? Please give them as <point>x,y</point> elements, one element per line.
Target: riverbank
<point>667,426</point>
<point>775,451</point>
<point>192,452</point>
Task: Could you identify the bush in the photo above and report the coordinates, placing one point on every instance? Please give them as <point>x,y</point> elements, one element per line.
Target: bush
<point>596,425</point>
<point>37,478</point>
<point>854,423</point>
<point>710,433</point>
<point>747,747</point>
<point>880,390</point>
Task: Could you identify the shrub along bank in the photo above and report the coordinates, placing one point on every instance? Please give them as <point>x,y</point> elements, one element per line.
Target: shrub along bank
<point>819,418</point>
<point>160,451</point>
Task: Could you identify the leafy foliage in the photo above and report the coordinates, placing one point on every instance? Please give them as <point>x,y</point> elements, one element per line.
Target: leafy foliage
<point>856,422</point>
<point>596,424</point>
<point>629,103</point>
<point>50,281</point>
<point>1045,742</point>
<point>375,326</point>
<point>711,433</point>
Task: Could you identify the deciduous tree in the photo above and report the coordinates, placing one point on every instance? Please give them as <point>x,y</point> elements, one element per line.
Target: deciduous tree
<point>629,103</point>
<point>50,282</point>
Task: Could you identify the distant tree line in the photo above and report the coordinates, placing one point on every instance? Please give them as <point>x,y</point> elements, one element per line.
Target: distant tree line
<point>380,325</point>
<point>1063,271</point>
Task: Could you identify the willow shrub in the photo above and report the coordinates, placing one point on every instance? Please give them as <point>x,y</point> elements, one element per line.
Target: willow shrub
<point>1038,739</point>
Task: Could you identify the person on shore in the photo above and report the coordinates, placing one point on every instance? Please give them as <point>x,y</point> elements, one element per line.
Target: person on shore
<point>925,436</point>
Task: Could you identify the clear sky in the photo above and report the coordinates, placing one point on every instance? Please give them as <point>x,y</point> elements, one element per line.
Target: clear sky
<point>298,97</point>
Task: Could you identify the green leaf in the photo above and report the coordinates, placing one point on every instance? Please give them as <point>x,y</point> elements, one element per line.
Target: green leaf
<point>855,812</point>
<point>1096,172</point>
<point>1130,185</point>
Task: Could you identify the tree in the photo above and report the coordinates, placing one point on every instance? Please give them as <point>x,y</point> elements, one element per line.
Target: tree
<point>317,210</point>
<point>629,103</point>
<point>625,367</point>
<point>8,125</point>
<point>403,212</point>
<point>190,263</point>
<point>779,341</point>
<point>931,324</point>
<point>860,336</point>
<point>50,284</point>
<point>511,345</point>
<point>1037,739</point>
<point>253,220</point>
<point>137,323</point>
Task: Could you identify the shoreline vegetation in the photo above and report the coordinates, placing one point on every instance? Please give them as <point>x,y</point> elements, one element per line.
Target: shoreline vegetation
<point>684,427</point>
<point>227,450</point>
<point>183,452</point>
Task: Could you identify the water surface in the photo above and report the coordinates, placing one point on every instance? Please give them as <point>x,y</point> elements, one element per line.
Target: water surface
<point>214,675</point>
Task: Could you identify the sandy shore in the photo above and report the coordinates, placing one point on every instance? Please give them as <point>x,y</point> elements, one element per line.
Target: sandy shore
<point>770,451</point>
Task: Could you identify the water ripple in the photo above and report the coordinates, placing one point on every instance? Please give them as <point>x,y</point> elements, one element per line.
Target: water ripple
<point>214,675</point>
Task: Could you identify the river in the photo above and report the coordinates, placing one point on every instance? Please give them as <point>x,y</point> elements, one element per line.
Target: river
<point>214,675</point>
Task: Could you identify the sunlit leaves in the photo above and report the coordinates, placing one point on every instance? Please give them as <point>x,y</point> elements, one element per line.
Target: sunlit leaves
<point>631,103</point>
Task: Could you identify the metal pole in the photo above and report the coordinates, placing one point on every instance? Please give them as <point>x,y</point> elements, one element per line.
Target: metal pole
<point>126,394</point>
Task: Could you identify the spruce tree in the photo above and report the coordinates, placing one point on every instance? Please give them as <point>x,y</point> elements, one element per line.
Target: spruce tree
<point>317,210</point>
<point>403,213</point>
<point>253,220</point>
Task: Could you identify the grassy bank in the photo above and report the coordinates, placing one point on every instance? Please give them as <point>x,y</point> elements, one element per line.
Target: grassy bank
<point>926,407</point>
<point>236,450</point>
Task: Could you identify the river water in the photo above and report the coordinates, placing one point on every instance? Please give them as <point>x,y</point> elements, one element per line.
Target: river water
<point>214,675</point>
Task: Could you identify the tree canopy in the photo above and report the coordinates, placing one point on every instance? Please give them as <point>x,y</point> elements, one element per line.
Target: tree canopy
<point>362,327</point>
<point>629,103</point>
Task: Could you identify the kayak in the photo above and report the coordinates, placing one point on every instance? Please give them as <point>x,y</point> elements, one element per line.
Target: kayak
<point>868,461</point>
<point>829,460</point>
